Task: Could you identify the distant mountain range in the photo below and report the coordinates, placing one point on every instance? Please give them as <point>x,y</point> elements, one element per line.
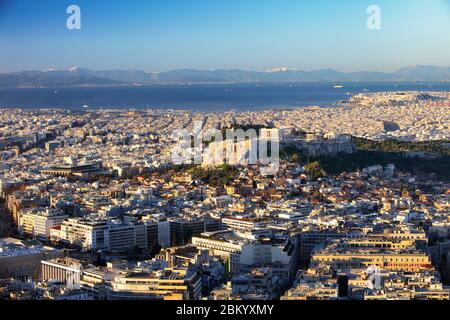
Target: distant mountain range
<point>84,77</point>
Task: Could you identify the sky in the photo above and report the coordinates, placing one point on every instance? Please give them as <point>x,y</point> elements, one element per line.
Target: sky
<point>224,34</point>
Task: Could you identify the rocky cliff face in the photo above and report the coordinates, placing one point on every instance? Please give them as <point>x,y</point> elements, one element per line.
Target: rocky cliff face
<point>325,147</point>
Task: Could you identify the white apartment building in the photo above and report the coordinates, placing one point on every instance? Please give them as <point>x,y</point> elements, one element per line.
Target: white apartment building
<point>39,223</point>
<point>124,236</point>
<point>281,257</point>
<point>103,234</point>
<point>243,224</point>
<point>241,253</point>
<point>89,234</point>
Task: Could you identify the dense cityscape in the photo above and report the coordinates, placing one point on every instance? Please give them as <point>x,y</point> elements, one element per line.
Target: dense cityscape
<point>93,206</point>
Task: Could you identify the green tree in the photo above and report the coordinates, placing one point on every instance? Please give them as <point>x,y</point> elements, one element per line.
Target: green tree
<point>296,158</point>
<point>314,171</point>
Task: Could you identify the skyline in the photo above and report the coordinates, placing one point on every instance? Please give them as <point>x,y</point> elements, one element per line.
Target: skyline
<point>232,154</point>
<point>232,35</point>
<point>275,69</point>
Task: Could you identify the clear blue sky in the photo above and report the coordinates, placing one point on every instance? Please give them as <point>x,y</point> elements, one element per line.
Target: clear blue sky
<point>210,34</point>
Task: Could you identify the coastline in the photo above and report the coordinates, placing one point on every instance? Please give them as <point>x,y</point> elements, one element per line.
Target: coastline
<point>202,97</point>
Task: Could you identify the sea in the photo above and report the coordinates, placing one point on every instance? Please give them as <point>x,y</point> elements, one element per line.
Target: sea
<point>202,97</point>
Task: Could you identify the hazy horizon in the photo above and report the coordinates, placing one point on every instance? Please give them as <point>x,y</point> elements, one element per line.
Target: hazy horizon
<point>273,69</point>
